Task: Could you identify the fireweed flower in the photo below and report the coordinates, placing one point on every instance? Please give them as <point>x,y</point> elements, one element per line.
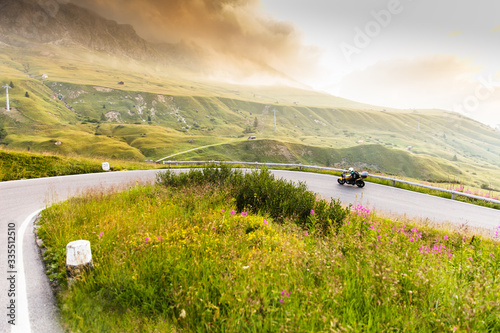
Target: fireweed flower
<point>160,238</point>
<point>312,211</point>
<point>233,212</point>
<point>284,294</point>
<point>101,234</point>
<point>497,233</point>
<point>146,239</point>
<point>265,222</point>
<point>244,214</point>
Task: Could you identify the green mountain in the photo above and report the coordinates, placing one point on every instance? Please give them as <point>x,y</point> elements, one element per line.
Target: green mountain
<point>93,87</point>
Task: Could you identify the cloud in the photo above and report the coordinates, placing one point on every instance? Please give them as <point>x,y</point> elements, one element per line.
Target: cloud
<point>455,33</point>
<point>230,31</point>
<point>434,81</point>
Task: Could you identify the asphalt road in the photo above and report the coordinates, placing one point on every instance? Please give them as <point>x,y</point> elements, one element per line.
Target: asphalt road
<point>35,307</point>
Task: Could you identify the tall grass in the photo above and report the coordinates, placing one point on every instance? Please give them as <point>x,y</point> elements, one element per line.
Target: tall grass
<point>15,165</point>
<point>180,256</point>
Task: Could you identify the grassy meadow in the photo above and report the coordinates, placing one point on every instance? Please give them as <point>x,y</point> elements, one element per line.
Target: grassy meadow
<point>16,165</point>
<point>218,251</point>
<point>80,109</point>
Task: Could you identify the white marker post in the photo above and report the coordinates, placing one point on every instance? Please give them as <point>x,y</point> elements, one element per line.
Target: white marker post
<point>78,259</point>
<point>105,166</point>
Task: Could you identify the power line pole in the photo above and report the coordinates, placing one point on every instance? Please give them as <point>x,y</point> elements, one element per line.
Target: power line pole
<point>7,87</point>
<point>274,110</point>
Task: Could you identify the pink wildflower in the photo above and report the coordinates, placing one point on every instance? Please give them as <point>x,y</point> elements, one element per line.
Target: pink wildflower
<point>233,212</point>
<point>312,211</point>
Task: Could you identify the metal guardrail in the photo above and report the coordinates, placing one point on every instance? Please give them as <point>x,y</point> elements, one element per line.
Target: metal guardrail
<point>314,167</point>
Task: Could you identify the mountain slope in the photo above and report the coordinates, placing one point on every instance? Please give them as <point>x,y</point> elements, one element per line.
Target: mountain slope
<point>109,93</point>
<point>28,22</point>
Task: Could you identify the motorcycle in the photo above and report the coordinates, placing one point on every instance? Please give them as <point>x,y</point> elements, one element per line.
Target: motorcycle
<point>355,179</point>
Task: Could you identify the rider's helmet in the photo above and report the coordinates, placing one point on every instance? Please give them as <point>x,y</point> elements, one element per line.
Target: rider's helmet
<point>351,169</point>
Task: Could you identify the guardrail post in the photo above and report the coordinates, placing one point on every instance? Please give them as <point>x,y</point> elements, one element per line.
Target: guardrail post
<point>78,259</point>
<point>452,196</point>
<point>300,166</point>
<point>393,181</point>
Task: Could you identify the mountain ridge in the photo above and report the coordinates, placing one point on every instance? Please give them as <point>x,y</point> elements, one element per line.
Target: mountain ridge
<point>24,22</point>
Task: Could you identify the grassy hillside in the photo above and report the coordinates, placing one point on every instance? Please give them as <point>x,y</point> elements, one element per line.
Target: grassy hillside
<point>191,253</point>
<point>16,165</point>
<point>374,158</point>
<point>81,109</point>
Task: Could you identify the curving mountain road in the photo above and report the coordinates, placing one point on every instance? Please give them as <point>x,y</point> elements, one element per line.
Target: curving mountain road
<point>34,305</point>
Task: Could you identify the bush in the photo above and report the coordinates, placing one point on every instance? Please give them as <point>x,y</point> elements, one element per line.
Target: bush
<point>260,192</point>
<point>328,216</point>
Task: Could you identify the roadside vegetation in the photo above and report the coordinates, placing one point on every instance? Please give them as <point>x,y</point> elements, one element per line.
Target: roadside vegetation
<point>217,250</point>
<point>21,165</point>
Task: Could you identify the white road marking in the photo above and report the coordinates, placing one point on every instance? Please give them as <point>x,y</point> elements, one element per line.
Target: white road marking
<point>22,315</point>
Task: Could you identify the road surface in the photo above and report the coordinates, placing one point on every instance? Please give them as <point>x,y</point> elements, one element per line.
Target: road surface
<point>35,309</point>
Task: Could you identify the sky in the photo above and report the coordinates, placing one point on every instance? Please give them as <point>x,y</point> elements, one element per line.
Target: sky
<point>405,53</point>
<point>409,54</point>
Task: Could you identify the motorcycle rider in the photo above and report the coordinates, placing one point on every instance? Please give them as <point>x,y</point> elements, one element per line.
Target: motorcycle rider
<point>353,174</point>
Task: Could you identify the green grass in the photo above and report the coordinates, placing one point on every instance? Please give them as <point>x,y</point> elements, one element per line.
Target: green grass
<point>16,165</point>
<point>155,115</point>
<point>180,257</point>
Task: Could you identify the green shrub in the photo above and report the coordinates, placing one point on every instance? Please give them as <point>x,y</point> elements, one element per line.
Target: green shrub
<point>260,192</point>
<point>328,216</point>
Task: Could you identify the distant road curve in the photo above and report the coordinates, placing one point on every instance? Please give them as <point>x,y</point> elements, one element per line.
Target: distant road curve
<point>20,199</point>
<point>193,149</point>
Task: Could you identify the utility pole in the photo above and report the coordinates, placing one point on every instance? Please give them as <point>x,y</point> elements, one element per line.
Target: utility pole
<point>274,110</point>
<point>7,87</point>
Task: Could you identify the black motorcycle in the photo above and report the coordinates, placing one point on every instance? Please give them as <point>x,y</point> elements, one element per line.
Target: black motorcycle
<point>355,179</point>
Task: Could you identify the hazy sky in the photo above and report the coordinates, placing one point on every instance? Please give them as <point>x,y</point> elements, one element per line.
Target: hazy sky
<point>405,53</point>
<point>398,53</point>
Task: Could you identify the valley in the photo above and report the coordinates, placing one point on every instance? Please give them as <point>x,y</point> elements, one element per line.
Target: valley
<point>144,102</point>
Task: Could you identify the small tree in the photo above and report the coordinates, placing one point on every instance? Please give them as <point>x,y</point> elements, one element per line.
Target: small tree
<point>255,122</point>
<point>103,117</point>
<point>27,95</point>
<point>11,84</point>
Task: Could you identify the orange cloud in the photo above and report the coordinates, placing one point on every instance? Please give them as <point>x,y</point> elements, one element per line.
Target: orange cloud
<point>229,31</point>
